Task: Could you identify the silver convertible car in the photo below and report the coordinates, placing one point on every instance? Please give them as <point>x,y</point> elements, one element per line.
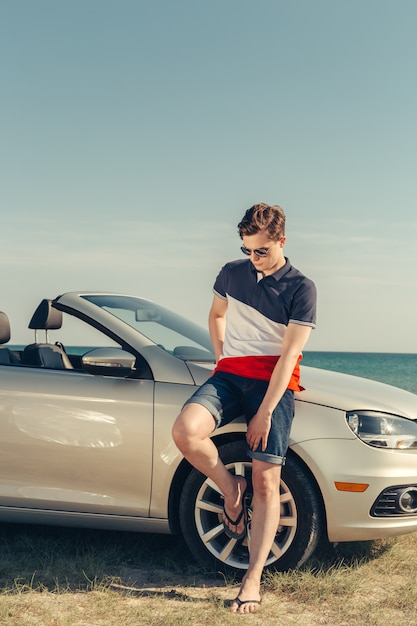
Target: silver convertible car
<point>86,437</point>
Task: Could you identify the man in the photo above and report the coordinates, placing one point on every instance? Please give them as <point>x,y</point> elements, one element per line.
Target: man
<point>270,310</point>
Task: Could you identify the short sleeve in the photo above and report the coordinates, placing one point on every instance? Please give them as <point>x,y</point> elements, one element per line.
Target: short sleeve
<point>304,305</point>
<point>219,288</point>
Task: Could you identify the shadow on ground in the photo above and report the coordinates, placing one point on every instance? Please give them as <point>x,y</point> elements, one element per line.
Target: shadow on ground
<point>67,559</point>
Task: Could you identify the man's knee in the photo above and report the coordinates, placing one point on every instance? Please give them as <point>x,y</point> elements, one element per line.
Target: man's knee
<point>266,478</point>
<point>193,423</point>
<point>180,432</point>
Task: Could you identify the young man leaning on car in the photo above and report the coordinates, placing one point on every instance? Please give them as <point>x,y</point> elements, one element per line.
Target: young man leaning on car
<point>271,309</point>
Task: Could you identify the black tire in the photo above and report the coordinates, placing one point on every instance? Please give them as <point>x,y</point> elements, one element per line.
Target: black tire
<point>301,521</point>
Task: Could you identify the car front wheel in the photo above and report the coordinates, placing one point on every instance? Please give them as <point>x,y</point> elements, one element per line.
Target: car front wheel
<point>201,507</point>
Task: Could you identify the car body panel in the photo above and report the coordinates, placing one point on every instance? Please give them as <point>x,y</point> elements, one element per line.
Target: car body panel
<point>169,399</point>
<point>70,441</point>
<point>347,393</point>
<point>348,514</point>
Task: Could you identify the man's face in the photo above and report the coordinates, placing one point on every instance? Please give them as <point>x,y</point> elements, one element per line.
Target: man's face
<point>260,242</point>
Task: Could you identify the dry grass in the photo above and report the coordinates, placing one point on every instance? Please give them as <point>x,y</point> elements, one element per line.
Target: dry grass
<point>62,577</point>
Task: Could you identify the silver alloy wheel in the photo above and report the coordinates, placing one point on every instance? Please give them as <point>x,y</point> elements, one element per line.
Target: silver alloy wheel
<point>232,552</point>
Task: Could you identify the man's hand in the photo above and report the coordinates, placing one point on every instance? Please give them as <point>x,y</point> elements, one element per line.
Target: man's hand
<point>258,430</point>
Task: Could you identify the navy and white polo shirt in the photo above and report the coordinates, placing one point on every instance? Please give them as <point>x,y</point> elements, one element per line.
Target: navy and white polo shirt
<point>259,309</point>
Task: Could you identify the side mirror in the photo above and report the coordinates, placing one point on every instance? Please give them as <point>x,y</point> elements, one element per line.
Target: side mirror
<point>108,362</point>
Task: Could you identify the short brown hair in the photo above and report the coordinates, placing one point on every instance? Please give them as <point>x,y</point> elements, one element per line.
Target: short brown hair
<point>263,217</point>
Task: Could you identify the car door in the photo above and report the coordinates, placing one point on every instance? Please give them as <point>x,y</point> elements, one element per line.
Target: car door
<point>75,442</point>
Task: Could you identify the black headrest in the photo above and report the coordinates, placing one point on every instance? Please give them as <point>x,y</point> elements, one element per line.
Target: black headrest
<point>46,317</point>
<point>4,328</point>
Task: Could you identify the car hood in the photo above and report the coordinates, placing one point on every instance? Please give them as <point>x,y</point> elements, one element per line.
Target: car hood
<point>339,391</point>
<point>347,392</point>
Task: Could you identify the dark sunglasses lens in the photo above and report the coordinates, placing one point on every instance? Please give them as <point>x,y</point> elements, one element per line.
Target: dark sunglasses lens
<point>259,251</point>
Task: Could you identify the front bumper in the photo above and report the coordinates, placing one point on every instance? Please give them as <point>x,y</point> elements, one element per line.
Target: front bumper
<point>352,516</point>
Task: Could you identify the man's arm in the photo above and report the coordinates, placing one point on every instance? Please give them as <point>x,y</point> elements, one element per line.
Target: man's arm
<point>217,324</point>
<point>295,338</point>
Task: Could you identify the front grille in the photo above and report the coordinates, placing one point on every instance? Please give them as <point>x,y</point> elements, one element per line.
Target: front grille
<point>391,502</point>
<point>386,504</point>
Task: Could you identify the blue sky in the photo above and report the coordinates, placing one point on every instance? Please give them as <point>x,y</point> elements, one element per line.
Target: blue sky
<point>135,134</point>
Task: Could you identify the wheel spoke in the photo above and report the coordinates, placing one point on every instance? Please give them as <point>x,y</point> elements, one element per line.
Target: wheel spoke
<point>213,486</point>
<point>276,550</point>
<point>206,505</point>
<point>290,520</point>
<point>240,467</point>
<point>212,533</point>
<point>227,550</point>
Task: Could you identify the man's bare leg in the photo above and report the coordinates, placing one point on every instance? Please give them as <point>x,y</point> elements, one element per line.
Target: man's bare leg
<point>265,519</point>
<point>191,433</point>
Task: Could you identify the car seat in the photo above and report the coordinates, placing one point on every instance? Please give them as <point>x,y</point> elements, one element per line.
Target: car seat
<point>48,355</point>
<point>7,357</point>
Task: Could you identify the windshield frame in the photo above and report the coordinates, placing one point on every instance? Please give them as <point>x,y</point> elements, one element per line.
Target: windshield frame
<point>170,331</point>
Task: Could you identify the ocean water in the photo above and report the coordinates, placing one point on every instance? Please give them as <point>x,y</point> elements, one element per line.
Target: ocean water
<point>395,369</point>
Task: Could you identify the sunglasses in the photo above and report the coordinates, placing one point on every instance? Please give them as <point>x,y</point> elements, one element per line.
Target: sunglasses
<point>261,252</point>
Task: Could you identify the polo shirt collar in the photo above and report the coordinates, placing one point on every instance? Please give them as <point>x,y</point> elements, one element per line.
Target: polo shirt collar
<point>276,275</point>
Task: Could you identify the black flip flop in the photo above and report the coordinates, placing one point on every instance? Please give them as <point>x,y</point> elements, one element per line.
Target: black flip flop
<point>230,533</point>
<point>240,602</point>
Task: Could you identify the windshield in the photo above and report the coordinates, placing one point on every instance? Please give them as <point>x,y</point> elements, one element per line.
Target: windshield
<point>170,331</point>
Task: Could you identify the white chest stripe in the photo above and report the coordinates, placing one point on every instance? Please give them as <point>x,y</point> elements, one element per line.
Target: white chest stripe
<point>249,333</point>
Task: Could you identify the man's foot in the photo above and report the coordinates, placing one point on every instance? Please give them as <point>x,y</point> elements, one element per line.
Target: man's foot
<point>245,606</point>
<point>248,599</point>
<point>234,518</point>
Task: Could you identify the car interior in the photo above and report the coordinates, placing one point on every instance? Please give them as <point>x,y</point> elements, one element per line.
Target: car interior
<point>50,355</point>
<point>37,354</point>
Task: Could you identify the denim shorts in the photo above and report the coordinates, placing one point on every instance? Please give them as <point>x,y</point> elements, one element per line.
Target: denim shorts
<point>228,396</point>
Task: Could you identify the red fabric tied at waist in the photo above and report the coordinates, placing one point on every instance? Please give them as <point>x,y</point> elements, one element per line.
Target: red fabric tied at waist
<point>258,367</point>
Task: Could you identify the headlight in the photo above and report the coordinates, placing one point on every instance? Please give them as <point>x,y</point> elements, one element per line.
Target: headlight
<point>383,430</point>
